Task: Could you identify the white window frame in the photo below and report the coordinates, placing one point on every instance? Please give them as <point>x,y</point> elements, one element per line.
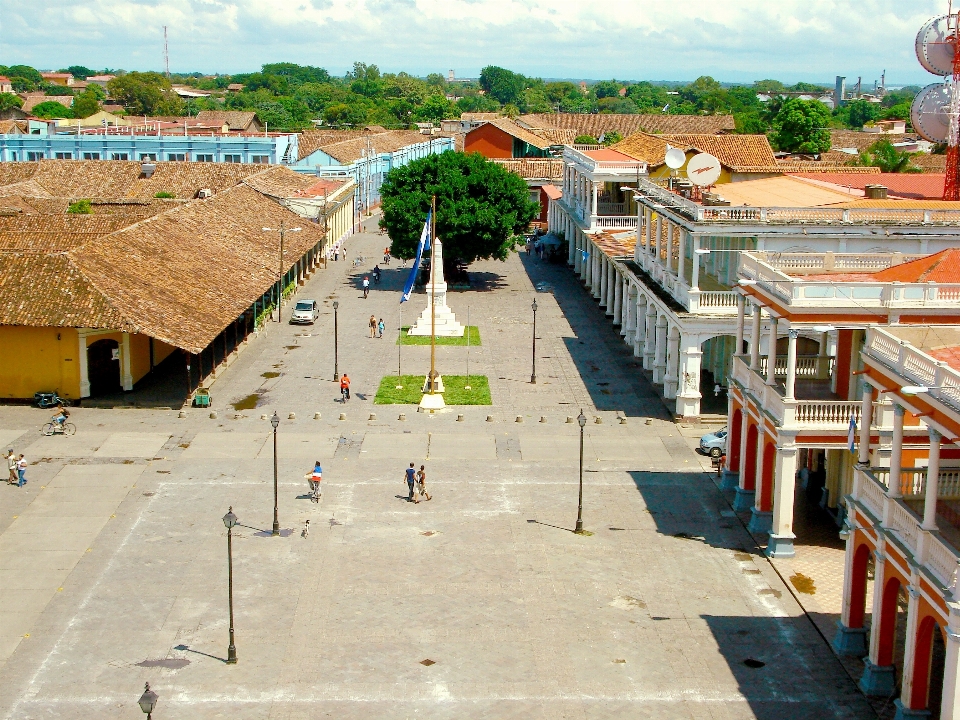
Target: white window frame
<point>203,157</point>
<point>36,156</point>
<point>91,156</point>
<point>119,156</point>
<point>176,157</point>
<point>63,156</point>
<point>260,159</point>
<point>148,157</point>
<point>232,158</point>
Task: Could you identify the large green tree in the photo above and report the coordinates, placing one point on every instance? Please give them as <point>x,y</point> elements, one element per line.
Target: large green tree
<point>802,126</point>
<point>503,85</point>
<point>51,110</point>
<point>884,155</point>
<point>9,100</point>
<point>481,207</point>
<point>146,93</point>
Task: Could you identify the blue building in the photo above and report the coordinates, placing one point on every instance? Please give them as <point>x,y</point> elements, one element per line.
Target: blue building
<point>45,143</point>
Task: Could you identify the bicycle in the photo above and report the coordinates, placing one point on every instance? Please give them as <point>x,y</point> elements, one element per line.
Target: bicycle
<point>52,428</point>
<point>358,261</point>
<point>344,395</point>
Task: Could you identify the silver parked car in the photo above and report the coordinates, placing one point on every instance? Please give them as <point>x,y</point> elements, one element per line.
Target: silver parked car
<point>714,444</point>
<point>305,312</point>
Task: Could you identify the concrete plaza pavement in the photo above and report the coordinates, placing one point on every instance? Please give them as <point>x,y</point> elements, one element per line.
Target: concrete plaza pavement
<point>480,603</point>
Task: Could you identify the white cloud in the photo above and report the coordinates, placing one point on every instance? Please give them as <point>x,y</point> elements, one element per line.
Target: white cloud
<point>632,39</point>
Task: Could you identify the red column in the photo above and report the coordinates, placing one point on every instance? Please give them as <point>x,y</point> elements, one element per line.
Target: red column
<point>733,428</point>
<point>858,586</point>
<point>767,477</point>
<point>749,480</point>
<point>888,621</point>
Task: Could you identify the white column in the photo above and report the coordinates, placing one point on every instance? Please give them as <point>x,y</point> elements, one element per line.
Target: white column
<point>688,398</point>
<point>866,420</point>
<point>596,272</point>
<point>880,577</point>
<point>656,240</point>
<point>575,248</point>
<point>669,240</point>
<point>660,351</point>
<point>791,364</point>
<point>650,337</point>
<point>604,278</point>
<point>741,312</point>
<point>572,254</point>
<point>780,543</point>
<point>610,294</point>
<point>639,305</point>
<point>618,301</point>
<point>695,276</point>
<point>950,706</point>
<point>646,234</point>
<point>910,645</point>
<point>896,453</point>
<point>126,379</point>
<point>671,379</point>
<point>593,207</point>
<point>682,238</point>
<point>755,337</point>
<point>933,481</point>
<point>84,368</point>
<point>772,352</point>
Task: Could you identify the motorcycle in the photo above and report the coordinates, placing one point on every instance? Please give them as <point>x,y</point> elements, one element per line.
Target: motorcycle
<point>49,400</point>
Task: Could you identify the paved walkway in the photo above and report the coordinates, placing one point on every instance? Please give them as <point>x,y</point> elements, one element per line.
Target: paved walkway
<point>478,604</point>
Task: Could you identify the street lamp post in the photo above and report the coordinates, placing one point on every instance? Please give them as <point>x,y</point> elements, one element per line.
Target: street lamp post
<point>582,421</point>
<point>275,421</point>
<point>533,374</point>
<point>336,373</point>
<point>230,520</point>
<point>148,700</point>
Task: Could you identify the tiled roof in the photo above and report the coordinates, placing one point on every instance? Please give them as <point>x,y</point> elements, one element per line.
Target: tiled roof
<point>234,119</point>
<point>279,182</point>
<point>124,179</point>
<point>309,141</point>
<point>53,233</point>
<point>350,150</point>
<point>930,163</point>
<point>322,188</point>
<point>906,185</point>
<point>534,168</point>
<point>552,192</point>
<point>627,125</point>
<point>31,101</point>
<point>861,140</point>
<point>480,117</point>
<point>741,153</point>
<point>12,127</point>
<point>556,136</point>
<point>513,129</point>
<point>819,166</point>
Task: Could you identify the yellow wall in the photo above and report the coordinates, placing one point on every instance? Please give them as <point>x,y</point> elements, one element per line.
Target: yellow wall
<point>33,359</point>
<point>664,172</point>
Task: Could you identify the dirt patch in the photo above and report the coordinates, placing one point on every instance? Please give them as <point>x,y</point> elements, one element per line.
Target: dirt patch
<point>247,403</point>
<point>292,347</point>
<point>270,375</point>
<point>803,584</point>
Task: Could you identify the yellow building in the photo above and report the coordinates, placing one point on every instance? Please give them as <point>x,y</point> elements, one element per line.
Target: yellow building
<point>90,304</point>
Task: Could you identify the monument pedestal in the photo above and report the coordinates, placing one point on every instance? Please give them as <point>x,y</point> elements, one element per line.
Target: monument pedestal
<point>431,403</point>
<point>437,318</point>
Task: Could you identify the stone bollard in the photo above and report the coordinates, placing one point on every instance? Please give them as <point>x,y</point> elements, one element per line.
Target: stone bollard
<point>213,414</point>
<point>569,418</point>
<point>183,414</point>
<point>459,418</point>
<point>292,416</point>
<point>623,420</point>
<point>316,416</point>
<point>373,416</point>
<point>263,417</point>
<point>402,417</point>
<point>343,416</point>
<point>598,420</point>
<point>237,416</point>
<point>649,421</point>
<point>489,418</point>
<point>543,418</point>
<point>519,418</point>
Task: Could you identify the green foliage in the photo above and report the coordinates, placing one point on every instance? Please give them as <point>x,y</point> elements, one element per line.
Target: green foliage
<point>585,140</point>
<point>884,155</point>
<point>649,98</point>
<point>472,330</point>
<point>9,100</point>
<point>897,112</point>
<point>617,105</point>
<point>861,112</point>
<point>146,93</point>
<point>164,195</point>
<point>50,110</point>
<point>481,207</point>
<point>769,86</point>
<point>87,103</point>
<point>612,138</point>
<point>80,72</point>
<point>80,207</point>
<point>434,109</point>
<point>607,89</point>
<point>23,77</point>
<point>802,126</point>
<point>504,86</point>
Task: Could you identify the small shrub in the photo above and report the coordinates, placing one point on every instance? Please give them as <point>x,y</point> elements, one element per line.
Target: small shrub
<point>80,207</point>
<point>164,195</point>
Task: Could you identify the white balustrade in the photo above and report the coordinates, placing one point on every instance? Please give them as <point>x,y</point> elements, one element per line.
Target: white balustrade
<point>613,222</point>
<point>870,492</point>
<point>718,299</point>
<point>941,559</point>
<point>903,522</point>
<point>610,208</point>
<point>826,412</point>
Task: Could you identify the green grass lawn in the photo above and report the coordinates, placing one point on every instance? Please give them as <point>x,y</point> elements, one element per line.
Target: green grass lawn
<point>425,339</point>
<point>454,392</point>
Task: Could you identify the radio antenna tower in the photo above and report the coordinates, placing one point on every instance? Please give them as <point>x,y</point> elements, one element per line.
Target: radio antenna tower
<point>951,184</point>
<point>166,53</point>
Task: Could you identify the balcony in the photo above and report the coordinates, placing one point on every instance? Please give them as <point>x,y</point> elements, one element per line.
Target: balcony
<point>936,551</point>
<point>711,298</point>
<point>599,170</point>
<point>816,407</point>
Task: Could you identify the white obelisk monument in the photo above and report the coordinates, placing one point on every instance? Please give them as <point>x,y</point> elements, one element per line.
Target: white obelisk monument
<point>436,319</point>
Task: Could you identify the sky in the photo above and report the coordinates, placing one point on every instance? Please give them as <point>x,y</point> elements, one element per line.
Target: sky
<point>731,40</point>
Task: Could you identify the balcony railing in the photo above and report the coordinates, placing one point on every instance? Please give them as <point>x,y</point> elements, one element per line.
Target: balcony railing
<point>913,482</point>
<point>613,222</point>
<point>931,550</point>
<point>834,415</point>
<point>809,367</point>
<point>915,367</point>
<point>592,166</point>
<point>610,208</point>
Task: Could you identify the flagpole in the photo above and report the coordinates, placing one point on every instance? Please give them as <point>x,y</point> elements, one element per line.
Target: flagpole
<point>399,348</point>
<point>467,386</point>
<point>433,291</point>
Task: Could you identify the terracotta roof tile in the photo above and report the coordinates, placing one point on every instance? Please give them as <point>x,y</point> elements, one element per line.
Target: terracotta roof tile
<point>52,233</point>
<point>736,152</point>
<point>907,185</point>
<point>233,119</point>
<point>534,168</point>
<point>352,149</point>
<point>627,125</point>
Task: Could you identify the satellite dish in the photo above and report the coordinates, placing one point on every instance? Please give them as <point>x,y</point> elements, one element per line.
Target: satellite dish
<point>703,169</point>
<point>675,158</point>
<point>935,46</point>
<point>930,113</point>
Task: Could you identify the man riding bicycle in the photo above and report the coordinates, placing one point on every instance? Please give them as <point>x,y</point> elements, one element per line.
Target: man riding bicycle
<point>366,287</point>
<point>61,415</point>
<point>376,273</point>
<point>345,387</point>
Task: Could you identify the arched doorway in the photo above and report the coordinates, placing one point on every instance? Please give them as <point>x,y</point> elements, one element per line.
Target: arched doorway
<point>927,683</point>
<point>103,367</point>
<point>750,461</point>
<point>858,585</point>
<point>715,367</point>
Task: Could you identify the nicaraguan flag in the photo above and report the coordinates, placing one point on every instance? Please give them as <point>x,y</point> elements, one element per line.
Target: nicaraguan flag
<point>584,255</point>
<point>424,244</point>
<point>852,435</point>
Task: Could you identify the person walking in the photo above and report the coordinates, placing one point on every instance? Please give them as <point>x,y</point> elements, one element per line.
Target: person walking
<point>12,468</point>
<point>366,287</point>
<point>345,387</point>
<point>21,471</point>
<point>380,328</point>
<point>372,324</point>
<point>422,482</point>
<point>411,477</point>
